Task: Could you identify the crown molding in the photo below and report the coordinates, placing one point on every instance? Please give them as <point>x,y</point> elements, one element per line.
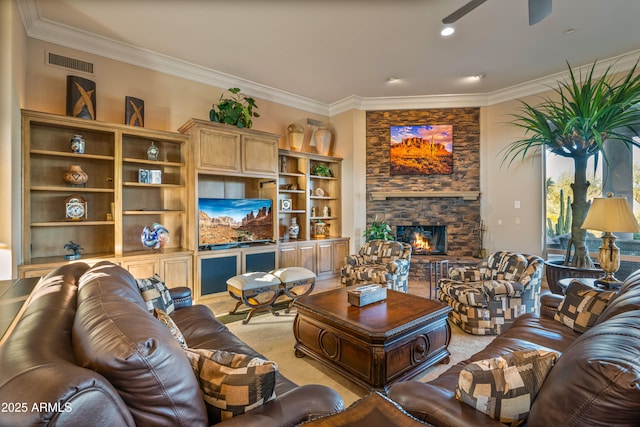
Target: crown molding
<point>42,29</point>
<point>84,41</point>
<point>616,64</point>
<point>407,102</point>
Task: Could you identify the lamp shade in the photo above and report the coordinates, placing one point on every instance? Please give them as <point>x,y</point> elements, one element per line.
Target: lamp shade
<point>611,214</point>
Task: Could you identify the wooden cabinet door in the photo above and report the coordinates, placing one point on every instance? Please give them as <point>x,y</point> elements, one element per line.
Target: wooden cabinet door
<point>218,151</point>
<point>176,271</point>
<point>325,258</point>
<point>340,251</point>
<point>259,155</point>
<point>142,269</point>
<point>307,253</point>
<point>288,256</point>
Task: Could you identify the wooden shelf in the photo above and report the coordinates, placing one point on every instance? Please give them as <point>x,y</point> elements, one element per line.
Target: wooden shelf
<point>140,184</point>
<point>292,191</point>
<point>71,155</point>
<point>114,153</point>
<point>153,212</point>
<point>328,178</point>
<point>79,223</point>
<point>152,162</point>
<point>71,189</point>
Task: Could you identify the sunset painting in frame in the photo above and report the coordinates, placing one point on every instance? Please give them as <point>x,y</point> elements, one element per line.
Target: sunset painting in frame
<point>421,150</point>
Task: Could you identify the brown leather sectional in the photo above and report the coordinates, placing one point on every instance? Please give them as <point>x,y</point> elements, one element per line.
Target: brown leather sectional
<point>80,320</point>
<point>595,382</point>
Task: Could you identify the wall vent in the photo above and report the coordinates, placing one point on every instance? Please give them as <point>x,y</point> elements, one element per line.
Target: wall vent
<point>316,123</point>
<point>70,63</point>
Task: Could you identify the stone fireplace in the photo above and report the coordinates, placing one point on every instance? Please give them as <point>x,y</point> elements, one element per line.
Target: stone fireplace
<point>449,202</point>
<point>424,239</point>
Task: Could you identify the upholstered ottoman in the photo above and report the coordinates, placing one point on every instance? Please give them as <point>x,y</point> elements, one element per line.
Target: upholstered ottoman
<point>250,288</point>
<point>295,282</point>
<point>259,291</point>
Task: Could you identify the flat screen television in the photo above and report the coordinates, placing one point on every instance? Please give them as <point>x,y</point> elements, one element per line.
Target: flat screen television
<point>233,221</point>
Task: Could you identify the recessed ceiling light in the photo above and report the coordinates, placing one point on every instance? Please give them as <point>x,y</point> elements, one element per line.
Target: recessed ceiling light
<point>447,31</point>
<point>478,76</point>
<point>393,79</point>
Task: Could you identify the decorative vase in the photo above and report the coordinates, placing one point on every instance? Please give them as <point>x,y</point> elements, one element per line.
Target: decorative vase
<point>154,236</point>
<point>322,137</point>
<point>294,228</point>
<point>77,144</point>
<point>75,175</point>
<point>295,136</point>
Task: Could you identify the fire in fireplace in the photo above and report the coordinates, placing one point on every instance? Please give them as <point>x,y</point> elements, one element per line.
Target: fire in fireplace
<point>424,239</point>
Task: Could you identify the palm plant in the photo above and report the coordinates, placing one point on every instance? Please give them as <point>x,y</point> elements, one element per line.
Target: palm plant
<point>587,114</point>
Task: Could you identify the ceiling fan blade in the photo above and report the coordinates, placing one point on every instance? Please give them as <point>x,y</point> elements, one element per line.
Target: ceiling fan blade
<point>463,11</point>
<point>538,10</point>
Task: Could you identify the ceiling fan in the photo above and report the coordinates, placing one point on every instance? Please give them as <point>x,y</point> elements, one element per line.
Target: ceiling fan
<point>538,10</point>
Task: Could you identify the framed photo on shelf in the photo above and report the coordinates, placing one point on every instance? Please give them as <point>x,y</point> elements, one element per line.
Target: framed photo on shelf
<point>286,205</point>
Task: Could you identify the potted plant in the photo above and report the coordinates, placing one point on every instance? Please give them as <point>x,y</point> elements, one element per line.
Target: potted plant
<point>584,115</point>
<point>236,110</point>
<point>322,170</point>
<point>378,230</point>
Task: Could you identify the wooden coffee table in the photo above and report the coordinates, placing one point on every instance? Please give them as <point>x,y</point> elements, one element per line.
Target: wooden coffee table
<point>375,345</point>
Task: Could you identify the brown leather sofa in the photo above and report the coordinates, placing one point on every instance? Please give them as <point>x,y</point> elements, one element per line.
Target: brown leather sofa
<point>47,376</point>
<point>595,381</point>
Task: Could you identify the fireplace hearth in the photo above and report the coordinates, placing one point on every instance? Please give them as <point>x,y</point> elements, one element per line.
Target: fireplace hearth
<point>424,239</point>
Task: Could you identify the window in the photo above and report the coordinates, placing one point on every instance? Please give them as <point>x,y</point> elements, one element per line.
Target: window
<point>559,176</point>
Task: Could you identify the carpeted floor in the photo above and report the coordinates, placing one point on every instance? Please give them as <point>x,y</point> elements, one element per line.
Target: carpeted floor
<point>273,337</point>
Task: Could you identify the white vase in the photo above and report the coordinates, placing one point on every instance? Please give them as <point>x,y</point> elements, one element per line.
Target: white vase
<point>295,136</point>
<point>294,229</point>
<point>322,137</point>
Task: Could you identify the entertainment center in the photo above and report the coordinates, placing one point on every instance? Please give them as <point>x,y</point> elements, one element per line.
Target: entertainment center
<point>204,163</point>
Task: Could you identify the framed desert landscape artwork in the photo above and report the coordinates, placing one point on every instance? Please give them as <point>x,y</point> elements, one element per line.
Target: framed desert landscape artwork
<point>421,150</point>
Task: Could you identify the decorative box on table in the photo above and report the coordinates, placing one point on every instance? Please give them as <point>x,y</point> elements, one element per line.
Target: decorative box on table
<point>366,294</point>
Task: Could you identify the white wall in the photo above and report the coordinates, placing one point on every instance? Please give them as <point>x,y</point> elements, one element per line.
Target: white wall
<point>502,185</point>
<point>350,132</point>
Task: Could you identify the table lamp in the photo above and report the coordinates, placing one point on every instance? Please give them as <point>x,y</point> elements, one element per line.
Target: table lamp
<point>610,215</point>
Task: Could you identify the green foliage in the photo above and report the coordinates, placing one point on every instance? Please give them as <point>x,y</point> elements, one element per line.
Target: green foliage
<point>321,170</point>
<point>236,110</point>
<point>584,114</point>
<point>378,230</point>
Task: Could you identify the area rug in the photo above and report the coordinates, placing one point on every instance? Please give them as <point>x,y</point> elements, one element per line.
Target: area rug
<point>272,337</point>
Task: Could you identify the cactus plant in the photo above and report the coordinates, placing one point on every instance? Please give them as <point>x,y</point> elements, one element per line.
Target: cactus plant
<point>563,224</point>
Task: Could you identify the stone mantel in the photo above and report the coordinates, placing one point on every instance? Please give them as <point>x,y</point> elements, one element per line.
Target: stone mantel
<point>465,195</point>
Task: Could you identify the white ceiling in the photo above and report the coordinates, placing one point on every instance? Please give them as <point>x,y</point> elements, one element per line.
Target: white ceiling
<point>325,51</point>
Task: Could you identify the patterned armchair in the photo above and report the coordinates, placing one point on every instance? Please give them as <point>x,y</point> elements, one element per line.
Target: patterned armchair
<point>486,299</point>
<point>379,261</point>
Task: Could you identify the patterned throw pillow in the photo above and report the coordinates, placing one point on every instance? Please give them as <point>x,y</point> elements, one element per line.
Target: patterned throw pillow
<point>232,383</point>
<point>504,387</point>
<point>156,294</point>
<point>582,305</point>
<point>171,325</point>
